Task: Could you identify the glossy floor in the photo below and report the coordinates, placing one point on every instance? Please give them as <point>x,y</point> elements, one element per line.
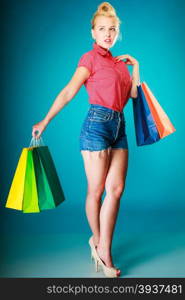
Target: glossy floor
<point>68,255</point>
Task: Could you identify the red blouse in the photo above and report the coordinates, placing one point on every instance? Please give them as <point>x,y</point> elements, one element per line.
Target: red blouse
<point>110,82</point>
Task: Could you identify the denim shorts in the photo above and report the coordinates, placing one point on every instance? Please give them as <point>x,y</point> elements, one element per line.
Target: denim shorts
<point>103,128</point>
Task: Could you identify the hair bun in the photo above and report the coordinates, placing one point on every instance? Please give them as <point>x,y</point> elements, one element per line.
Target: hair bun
<point>106,7</point>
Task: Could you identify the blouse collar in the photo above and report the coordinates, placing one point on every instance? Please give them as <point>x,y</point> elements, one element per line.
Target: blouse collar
<point>101,50</point>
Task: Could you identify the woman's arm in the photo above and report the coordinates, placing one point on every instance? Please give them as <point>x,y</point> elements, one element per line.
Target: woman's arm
<point>135,73</point>
<point>68,92</point>
<point>135,80</point>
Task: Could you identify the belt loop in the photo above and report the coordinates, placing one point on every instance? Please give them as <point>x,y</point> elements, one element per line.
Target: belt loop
<point>112,114</point>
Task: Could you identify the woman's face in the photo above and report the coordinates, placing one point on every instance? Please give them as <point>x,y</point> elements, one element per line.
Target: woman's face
<point>105,31</point>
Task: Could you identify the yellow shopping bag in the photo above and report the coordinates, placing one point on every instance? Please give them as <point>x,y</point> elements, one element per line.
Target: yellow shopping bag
<point>15,196</point>
<point>23,192</point>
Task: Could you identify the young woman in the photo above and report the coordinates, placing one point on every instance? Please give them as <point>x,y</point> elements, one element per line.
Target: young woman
<point>103,139</point>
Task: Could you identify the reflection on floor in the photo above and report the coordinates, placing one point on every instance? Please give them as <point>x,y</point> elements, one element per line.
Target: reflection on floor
<point>136,253</point>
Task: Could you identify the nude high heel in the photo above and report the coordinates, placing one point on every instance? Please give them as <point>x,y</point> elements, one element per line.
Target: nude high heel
<point>91,243</point>
<point>108,271</point>
<point>92,246</point>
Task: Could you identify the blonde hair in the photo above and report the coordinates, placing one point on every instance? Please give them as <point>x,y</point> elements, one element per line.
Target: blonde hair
<point>107,10</point>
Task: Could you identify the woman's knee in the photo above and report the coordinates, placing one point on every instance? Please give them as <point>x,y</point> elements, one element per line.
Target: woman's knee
<point>95,191</point>
<point>115,190</point>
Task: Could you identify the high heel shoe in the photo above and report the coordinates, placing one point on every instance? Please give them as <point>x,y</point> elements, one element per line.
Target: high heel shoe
<point>108,271</point>
<point>92,246</point>
<point>94,255</point>
<point>91,243</point>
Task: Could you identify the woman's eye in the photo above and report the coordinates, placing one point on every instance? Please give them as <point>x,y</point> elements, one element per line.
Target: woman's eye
<point>110,28</point>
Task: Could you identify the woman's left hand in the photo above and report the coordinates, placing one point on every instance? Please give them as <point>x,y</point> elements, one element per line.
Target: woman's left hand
<point>129,59</point>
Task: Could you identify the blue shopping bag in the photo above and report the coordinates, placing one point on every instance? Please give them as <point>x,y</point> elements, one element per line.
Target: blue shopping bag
<point>145,127</point>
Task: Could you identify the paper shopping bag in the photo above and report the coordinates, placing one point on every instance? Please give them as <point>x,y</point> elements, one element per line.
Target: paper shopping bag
<point>16,192</point>
<point>36,185</point>
<point>30,198</point>
<point>51,174</point>
<point>145,127</point>
<point>161,119</point>
<point>45,196</point>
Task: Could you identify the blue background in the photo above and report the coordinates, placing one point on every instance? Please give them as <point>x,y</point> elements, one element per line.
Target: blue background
<point>42,44</point>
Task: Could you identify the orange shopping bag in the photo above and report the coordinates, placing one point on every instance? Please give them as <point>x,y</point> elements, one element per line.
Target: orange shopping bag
<point>163,124</point>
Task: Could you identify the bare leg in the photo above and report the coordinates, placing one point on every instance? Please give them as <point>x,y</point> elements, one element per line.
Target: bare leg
<point>96,165</point>
<point>114,186</point>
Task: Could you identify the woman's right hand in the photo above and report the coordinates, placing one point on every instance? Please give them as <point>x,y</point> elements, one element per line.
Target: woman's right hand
<point>39,127</point>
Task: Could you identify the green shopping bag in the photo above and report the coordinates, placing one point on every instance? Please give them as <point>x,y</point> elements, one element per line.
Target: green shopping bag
<point>53,189</point>
<point>46,200</point>
<point>30,197</point>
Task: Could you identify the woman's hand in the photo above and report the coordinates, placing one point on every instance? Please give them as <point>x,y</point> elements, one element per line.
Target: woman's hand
<point>129,59</point>
<point>135,73</point>
<point>39,127</point>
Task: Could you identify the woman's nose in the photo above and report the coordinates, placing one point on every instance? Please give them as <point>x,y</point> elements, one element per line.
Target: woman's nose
<point>107,33</point>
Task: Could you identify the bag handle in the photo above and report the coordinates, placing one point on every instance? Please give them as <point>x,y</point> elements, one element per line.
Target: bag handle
<point>36,142</point>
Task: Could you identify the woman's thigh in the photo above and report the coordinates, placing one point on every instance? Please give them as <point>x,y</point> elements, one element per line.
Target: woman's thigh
<point>96,164</point>
<point>116,175</point>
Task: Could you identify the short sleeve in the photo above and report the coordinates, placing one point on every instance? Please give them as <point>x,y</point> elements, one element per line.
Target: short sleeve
<point>86,61</point>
